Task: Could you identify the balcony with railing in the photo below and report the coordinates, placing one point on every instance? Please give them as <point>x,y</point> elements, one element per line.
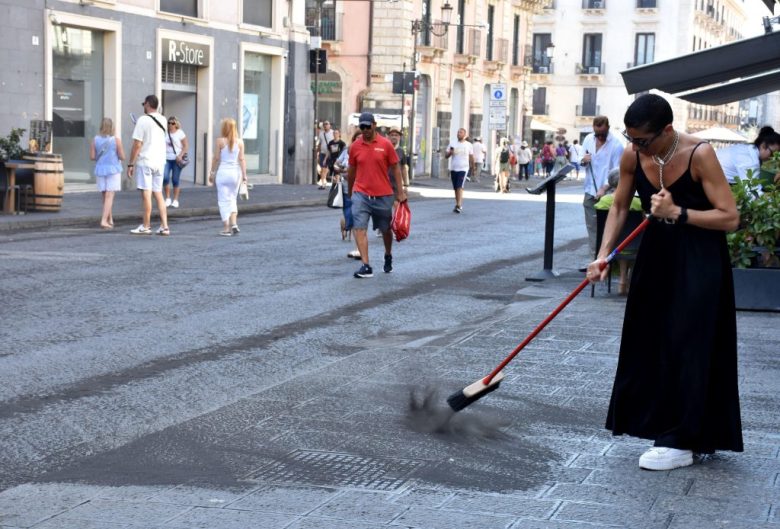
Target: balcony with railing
<point>471,47</point>
<point>429,43</point>
<point>594,4</point>
<point>588,110</point>
<point>589,69</point>
<point>543,66</point>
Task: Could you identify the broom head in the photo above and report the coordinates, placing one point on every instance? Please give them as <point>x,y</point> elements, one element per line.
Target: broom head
<point>474,392</point>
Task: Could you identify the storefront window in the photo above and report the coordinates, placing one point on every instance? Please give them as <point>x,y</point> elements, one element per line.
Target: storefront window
<point>328,86</point>
<point>256,112</point>
<point>77,101</point>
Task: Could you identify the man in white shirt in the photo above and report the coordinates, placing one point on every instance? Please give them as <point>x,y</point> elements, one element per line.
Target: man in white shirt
<point>576,152</point>
<point>480,152</point>
<point>602,154</point>
<point>462,154</point>
<point>325,137</point>
<point>147,163</point>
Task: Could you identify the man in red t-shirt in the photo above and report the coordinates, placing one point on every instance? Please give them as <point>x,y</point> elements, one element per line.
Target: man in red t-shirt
<point>370,158</point>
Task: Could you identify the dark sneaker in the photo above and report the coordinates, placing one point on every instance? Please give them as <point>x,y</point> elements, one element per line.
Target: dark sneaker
<point>364,271</point>
<point>457,209</point>
<point>388,264</point>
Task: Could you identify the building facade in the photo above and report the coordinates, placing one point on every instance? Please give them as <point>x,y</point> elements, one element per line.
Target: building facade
<point>485,43</point>
<point>74,62</point>
<point>594,40</point>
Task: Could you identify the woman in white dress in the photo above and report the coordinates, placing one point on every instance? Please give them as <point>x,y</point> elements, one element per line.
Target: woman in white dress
<point>228,169</point>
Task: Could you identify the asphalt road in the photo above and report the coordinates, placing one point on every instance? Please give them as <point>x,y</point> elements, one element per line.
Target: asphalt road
<point>201,381</point>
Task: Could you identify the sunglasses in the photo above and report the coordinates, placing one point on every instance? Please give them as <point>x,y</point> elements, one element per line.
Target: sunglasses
<point>642,143</point>
<point>171,123</point>
<point>365,127</point>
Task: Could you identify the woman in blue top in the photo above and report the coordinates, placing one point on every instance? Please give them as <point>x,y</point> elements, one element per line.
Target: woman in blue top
<point>106,150</point>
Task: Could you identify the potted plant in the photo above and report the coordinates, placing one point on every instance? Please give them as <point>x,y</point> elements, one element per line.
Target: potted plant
<point>11,146</point>
<point>754,245</point>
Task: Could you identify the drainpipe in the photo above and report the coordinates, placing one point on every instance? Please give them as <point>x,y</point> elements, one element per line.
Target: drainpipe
<point>370,44</point>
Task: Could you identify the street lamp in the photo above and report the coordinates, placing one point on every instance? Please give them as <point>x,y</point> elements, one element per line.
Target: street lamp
<point>550,50</point>
<point>419,26</point>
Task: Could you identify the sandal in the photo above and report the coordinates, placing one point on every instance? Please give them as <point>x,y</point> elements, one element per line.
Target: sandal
<point>226,233</point>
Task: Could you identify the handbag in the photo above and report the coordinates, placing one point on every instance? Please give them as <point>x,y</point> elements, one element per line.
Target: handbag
<point>402,220</point>
<point>335,200</point>
<point>185,159</point>
<point>243,190</point>
<point>512,159</point>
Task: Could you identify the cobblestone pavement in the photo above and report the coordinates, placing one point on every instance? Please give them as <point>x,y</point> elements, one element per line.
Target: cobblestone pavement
<point>331,444</point>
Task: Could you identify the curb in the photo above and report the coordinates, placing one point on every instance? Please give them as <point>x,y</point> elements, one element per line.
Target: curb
<point>92,220</point>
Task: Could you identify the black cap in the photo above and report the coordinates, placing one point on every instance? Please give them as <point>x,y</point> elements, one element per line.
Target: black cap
<point>366,118</point>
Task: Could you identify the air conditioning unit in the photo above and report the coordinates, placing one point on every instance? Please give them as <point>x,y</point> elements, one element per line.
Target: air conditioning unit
<point>544,69</point>
<point>594,69</point>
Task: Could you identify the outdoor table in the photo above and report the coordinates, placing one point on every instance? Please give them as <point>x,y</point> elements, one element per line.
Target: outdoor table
<point>11,167</point>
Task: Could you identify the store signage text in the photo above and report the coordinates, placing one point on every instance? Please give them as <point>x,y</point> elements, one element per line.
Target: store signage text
<point>185,52</point>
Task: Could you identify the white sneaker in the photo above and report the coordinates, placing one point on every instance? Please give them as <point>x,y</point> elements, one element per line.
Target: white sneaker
<point>663,458</point>
<point>175,204</point>
<point>168,202</point>
<point>141,230</point>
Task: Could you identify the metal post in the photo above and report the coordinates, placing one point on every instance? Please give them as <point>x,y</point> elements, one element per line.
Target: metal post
<point>403,102</point>
<point>547,271</point>
<point>315,175</point>
<point>413,114</point>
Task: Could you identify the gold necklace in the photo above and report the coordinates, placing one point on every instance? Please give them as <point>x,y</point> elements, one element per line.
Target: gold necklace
<point>660,162</point>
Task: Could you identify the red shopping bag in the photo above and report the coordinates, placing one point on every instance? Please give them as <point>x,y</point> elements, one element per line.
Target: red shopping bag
<point>402,220</point>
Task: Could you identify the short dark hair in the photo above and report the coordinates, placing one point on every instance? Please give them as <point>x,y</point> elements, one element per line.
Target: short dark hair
<point>768,136</point>
<point>152,101</point>
<point>600,121</point>
<point>648,113</point>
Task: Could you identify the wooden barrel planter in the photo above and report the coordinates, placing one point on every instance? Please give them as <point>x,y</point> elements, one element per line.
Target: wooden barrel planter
<point>48,182</point>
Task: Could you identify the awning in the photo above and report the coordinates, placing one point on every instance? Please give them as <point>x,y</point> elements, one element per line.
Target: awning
<point>754,62</point>
<point>538,125</point>
<point>735,91</point>
<point>721,134</point>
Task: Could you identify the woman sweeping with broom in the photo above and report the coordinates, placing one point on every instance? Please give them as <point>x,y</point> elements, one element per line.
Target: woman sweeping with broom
<point>676,380</point>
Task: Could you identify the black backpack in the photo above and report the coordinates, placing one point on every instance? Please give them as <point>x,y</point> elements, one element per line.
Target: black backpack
<point>504,156</point>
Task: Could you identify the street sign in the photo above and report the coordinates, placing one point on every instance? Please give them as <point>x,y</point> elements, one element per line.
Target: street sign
<point>498,92</point>
<point>497,117</point>
<point>403,82</point>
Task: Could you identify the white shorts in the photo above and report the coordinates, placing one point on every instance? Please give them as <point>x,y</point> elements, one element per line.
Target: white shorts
<point>148,178</point>
<point>112,182</point>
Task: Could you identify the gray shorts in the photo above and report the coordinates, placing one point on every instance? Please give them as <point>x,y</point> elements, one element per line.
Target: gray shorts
<point>379,209</point>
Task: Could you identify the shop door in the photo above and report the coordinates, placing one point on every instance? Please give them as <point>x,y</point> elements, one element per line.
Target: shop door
<point>179,99</point>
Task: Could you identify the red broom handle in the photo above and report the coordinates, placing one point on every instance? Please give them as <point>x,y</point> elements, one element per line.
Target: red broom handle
<point>639,229</point>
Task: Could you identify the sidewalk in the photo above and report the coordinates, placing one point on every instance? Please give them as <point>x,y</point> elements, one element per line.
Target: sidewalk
<point>82,208</point>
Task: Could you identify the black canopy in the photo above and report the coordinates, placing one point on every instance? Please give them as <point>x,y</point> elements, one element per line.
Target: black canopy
<point>746,68</point>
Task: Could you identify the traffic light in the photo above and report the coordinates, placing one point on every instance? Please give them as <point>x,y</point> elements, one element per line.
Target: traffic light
<point>318,61</point>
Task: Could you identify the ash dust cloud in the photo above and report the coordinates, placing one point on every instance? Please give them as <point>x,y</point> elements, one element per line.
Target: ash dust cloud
<point>428,412</point>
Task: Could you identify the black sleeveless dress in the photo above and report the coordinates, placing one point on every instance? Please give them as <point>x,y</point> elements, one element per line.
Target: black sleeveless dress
<point>676,380</point>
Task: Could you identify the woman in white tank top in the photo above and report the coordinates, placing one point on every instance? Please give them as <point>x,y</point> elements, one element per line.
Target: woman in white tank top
<point>229,168</point>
